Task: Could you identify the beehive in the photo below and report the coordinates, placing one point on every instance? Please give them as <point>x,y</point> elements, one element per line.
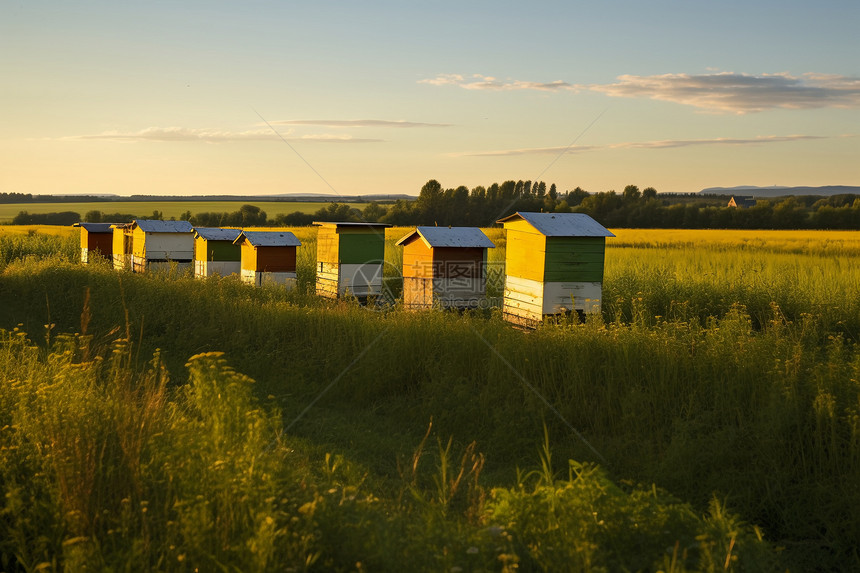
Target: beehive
<point>553,264</point>
<point>268,257</point>
<point>215,252</point>
<point>96,240</point>
<point>445,267</point>
<point>161,245</point>
<point>122,246</point>
<point>350,259</point>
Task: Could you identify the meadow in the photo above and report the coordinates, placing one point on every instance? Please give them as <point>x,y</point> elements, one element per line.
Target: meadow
<point>708,419</point>
<point>168,209</point>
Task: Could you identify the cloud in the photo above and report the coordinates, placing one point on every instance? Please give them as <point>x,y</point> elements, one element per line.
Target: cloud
<point>358,123</point>
<point>669,143</point>
<point>657,144</point>
<point>529,151</point>
<point>740,93</point>
<point>327,138</point>
<point>179,134</point>
<point>718,92</point>
<point>444,80</point>
<point>184,134</point>
<point>479,82</point>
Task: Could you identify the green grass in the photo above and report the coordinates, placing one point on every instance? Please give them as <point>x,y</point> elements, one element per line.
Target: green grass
<point>105,464</point>
<point>169,209</point>
<point>729,379</point>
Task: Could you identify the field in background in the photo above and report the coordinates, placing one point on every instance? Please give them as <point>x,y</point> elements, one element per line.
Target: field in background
<point>55,230</point>
<point>799,242</point>
<point>168,209</point>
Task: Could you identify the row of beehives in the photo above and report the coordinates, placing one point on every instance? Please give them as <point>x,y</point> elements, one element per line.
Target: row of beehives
<point>553,261</point>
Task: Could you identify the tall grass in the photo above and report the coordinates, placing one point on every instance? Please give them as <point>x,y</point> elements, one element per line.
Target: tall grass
<point>688,282</point>
<point>36,245</point>
<point>105,465</point>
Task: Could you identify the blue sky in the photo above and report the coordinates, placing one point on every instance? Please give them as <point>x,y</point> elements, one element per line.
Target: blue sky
<point>378,97</point>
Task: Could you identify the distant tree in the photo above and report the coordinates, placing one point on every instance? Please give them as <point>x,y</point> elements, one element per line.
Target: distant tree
<point>294,219</point>
<point>519,186</point>
<point>456,210</point>
<point>94,216</point>
<point>576,196</point>
<point>60,218</point>
<point>507,190</point>
<point>401,214</point>
<point>562,207</point>
<point>649,193</point>
<point>118,217</point>
<point>337,212</point>
<point>788,214</point>
<point>373,212</point>
<point>631,194</point>
<point>206,219</point>
<point>252,216</point>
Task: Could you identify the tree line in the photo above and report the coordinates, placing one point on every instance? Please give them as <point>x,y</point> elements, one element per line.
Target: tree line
<point>30,198</point>
<point>632,208</point>
<point>483,206</point>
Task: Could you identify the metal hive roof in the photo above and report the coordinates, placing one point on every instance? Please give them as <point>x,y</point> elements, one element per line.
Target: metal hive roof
<point>156,226</point>
<point>450,237</point>
<point>561,224</point>
<point>269,239</point>
<point>216,233</point>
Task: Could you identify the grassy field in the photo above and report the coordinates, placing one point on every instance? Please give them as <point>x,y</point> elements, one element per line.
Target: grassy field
<point>167,208</point>
<point>706,420</point>
<point>56,230</point>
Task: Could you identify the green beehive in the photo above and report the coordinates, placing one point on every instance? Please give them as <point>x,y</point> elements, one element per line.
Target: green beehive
<point>350,258</point>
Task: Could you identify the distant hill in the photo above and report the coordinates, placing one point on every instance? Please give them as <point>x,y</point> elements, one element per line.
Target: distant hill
<point>777,191</point>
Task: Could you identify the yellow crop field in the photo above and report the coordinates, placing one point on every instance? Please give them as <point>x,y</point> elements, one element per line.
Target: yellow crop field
<point>56,230</point>
<point>801,241</point>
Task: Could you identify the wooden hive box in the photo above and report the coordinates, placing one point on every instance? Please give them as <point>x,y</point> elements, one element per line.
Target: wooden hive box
<point>553,264</point>
<point>444,267</point>
<point>215,252</point>
<point>268,257</point>
<point>96,241</point>
<point>122,243</point>
<point>350,258</point>
<point>161,245</point>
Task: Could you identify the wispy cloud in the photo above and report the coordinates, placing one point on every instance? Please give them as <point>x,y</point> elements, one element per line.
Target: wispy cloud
<point>669,143</point>
<point>719,92</point>
<point>740,93</point>
<point>328,138</point>
<point>479,82</point>
<point>657,144</point>
<point>358,123</point>
<point>184,134</point>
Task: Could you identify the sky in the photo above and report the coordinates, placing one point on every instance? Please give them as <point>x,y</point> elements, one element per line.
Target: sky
<point>352,98</point>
